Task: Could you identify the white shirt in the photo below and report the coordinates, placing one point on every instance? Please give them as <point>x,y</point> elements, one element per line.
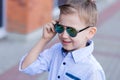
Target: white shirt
<point>76,65</point>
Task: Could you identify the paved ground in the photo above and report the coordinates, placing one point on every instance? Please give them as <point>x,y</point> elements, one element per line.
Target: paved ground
<point>107,48</point>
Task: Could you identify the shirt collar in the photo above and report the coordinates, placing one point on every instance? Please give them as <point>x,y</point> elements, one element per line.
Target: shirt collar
<point>65,52</point>
<point>81,53</point>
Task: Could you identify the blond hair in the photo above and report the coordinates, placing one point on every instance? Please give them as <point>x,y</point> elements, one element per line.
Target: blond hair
<point>86,9</point>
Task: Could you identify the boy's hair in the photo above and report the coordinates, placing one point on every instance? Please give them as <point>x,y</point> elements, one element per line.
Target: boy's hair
<point>86,9</point>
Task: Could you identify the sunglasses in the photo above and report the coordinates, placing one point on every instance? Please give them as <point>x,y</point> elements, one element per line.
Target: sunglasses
<point>71,31</point>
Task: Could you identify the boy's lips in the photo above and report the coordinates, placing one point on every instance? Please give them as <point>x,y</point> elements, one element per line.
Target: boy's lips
<point>66,42</point>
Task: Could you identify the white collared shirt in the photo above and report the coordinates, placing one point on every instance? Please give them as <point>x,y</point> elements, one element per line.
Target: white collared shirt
<point>76,65</point>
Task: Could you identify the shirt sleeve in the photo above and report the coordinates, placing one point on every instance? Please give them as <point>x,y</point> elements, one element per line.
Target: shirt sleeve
<point>96,75</point>
<point>40,65</point>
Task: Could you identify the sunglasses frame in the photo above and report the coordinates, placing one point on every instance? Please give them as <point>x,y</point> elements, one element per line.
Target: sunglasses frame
<point>71,28</point>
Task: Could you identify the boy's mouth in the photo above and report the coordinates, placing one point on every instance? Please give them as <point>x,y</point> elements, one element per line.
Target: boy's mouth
<point>66,42</point>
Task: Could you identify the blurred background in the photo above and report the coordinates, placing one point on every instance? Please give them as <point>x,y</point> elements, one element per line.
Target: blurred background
<point>21,27</point>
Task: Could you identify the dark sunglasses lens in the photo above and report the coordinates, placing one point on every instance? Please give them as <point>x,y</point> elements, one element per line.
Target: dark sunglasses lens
<point>71,31</point>
<point>59,28</point>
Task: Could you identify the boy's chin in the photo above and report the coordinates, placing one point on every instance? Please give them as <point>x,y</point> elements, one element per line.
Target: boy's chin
<point>68,48</point>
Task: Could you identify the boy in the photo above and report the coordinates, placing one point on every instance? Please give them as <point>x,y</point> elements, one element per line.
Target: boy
<point>71,59</point>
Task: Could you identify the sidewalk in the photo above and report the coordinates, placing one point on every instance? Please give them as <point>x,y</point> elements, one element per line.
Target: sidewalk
<point>106,48</point>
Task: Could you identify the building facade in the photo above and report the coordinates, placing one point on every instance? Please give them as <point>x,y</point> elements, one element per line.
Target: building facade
<point>23,17</point>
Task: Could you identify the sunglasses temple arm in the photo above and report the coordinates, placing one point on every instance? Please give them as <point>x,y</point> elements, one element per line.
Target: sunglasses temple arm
<point>83,29</point>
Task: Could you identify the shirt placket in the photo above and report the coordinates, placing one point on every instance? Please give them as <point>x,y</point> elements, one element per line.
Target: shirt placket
<point>62,68</point>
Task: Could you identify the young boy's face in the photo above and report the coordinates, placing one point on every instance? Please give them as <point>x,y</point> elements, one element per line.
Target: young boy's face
<point>79,41</point>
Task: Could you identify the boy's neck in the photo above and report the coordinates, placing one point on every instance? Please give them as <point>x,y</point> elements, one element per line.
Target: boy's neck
<point>66,51</point>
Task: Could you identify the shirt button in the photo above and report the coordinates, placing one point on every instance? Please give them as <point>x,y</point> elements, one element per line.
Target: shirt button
<point>58,76</point>
<point>64,63</point>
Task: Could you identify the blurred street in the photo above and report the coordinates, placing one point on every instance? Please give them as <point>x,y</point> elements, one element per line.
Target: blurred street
<point>107,47</point>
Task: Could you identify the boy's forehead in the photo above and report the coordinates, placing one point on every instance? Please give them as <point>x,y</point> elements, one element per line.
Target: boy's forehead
<point>71,20</point>
<point>74,17</point>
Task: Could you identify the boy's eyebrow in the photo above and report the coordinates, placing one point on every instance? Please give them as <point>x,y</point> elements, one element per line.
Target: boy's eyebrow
<point>63,24</point>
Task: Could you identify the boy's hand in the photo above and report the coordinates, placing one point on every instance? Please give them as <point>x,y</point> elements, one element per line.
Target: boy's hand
<point>48,31</point>
<point>48,34</point>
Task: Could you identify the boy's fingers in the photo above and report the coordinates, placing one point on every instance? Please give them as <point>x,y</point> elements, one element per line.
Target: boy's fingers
<point>51,27</point>
<point>53,22</point>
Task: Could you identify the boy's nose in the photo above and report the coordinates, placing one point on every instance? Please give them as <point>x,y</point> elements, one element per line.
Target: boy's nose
<point>65,34</point>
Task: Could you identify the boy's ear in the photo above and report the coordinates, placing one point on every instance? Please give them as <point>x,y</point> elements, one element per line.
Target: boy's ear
<point>91,33</point>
